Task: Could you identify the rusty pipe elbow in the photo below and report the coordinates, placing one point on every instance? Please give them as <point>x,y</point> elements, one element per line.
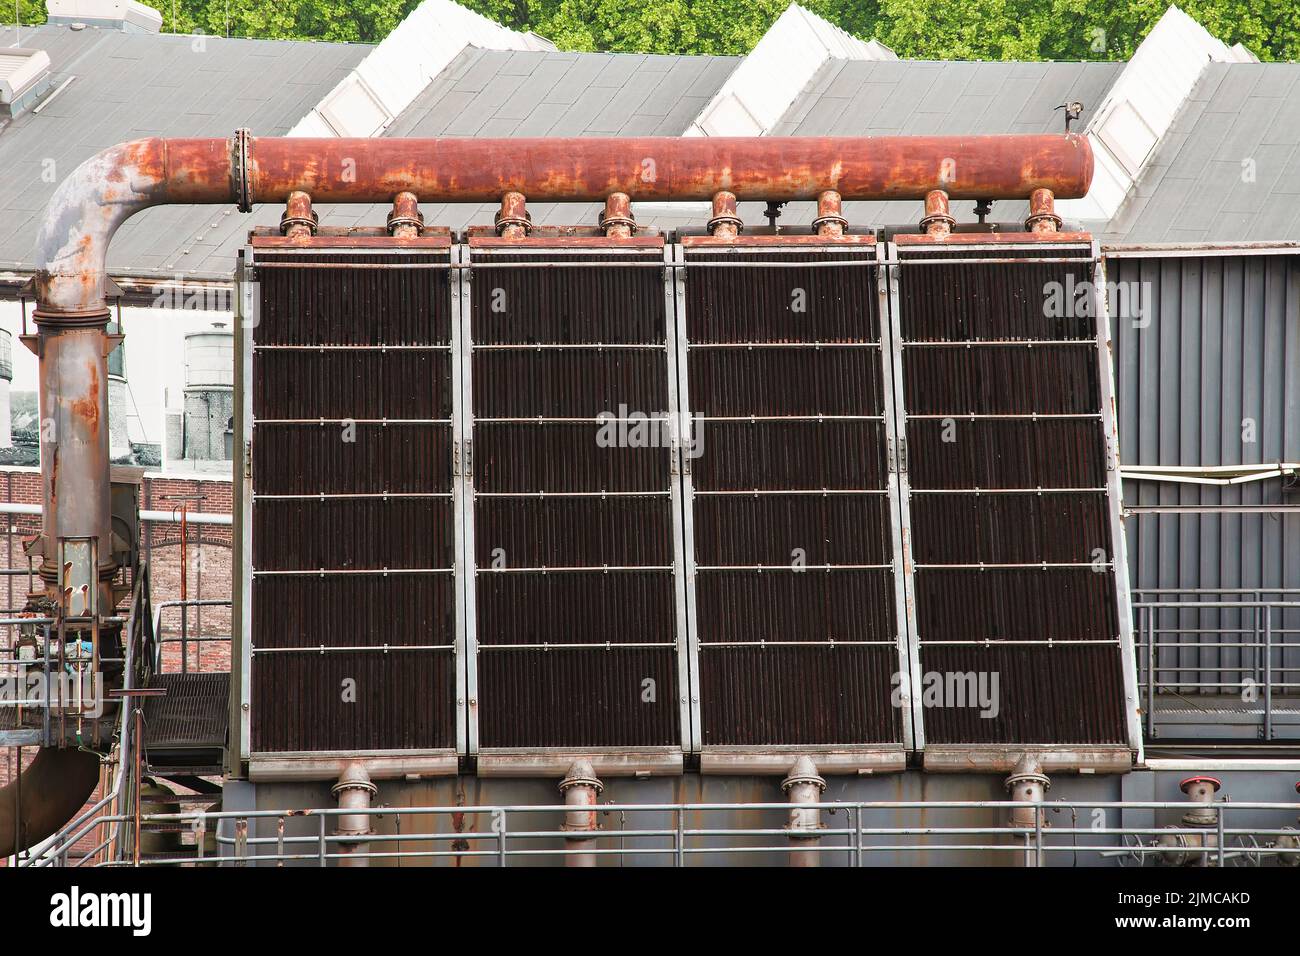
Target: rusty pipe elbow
<point>106,190</point>
<point>55,785</point>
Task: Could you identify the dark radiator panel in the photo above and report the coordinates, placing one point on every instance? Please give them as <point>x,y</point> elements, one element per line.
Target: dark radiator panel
<point>1011,533</point>
<point>790,512</point>
<point>353,533</point>
<point>576,606</point>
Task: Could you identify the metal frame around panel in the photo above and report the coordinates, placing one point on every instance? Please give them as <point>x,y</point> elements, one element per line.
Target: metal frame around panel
<point>902,639</point>
<point>688,651</point>
<point>245,346</point>
<point>1115,497</point>
<point>463,271</point>
<point>899,493</point>
<point>1115,518</point>
<point>249,307</point>
<point>463,475</point>
<point>462,517</point>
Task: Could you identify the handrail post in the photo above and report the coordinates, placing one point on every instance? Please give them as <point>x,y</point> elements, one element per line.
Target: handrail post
<point>501,839</point>
<point>679,857</point>
<point>1223,811</point>
<point>1151,673</point>
<point>1268,672</point>
<point>320,841</point>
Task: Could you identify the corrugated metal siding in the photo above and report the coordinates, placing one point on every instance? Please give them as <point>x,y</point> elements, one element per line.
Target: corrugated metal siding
<point>548,495</point>
<point>740,325</point>
<point>403,697</point>
<point>962,327</point>
<point>1202,345</point>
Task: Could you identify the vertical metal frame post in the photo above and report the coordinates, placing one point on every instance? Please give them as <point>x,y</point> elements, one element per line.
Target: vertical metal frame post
<point>467,669</point>
<point>900,512</point>
<point>683,496</point>
<point>1115,500</point>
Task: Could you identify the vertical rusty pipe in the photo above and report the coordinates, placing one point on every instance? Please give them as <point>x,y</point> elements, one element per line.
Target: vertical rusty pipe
<point>1027,784</point>
<point>726,223</point>
<point>1042,212</point>
<point>803,788</point>
<point>405,221</point>
<point>581,789</point>
<point>73,395</point>
<point>616,219</point>
<point>938,221</point>
<point>354,791</point>
<point>299,219</point>
<point>830,221</point>
<point>513,221</point>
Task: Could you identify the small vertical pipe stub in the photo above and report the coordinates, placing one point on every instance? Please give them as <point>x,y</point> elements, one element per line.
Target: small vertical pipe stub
<point>405,221</point>
<point>354,791</point>
<point>938,222</point>
<point>513,220</point>
<point>299,220</point>
<point>1027,784</point>
<point>803,788</point>
<point>830,222</point>
<point>1042,212</point>
<point>726,222</point>
<point>581,788</point>
<point>616,218</point>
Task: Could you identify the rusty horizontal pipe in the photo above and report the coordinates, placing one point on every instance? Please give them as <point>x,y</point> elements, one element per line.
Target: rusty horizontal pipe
<point>779,169</point>
<point>110,187</point>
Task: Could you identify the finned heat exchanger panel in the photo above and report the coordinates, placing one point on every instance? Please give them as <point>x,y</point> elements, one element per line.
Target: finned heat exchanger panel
<point>353,543</point>
<point>791,523</point>
<point>1011,495</point>
<point>577,603</point>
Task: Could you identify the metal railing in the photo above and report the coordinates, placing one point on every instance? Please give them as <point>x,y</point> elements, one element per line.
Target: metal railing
<point>1222,659</point>
<point>110,819</point>
<point>184,638</point>
<point>855,837</point>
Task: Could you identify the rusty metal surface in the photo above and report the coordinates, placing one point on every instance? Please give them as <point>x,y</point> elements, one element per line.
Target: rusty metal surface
<point>972,617</point>
<point>571,696</point>
<point>386,429</point>
<point>741,326</point>
<point>990,238</point>
<point>650,168</point>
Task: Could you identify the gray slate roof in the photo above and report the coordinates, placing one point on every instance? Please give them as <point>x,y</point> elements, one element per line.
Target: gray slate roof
<point>540,93</point>
<point>130,85</point>
<point>932,98</point>
<point>1196,188</point>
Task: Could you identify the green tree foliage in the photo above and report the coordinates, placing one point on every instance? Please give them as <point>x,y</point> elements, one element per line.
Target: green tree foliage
<point>933,29</point>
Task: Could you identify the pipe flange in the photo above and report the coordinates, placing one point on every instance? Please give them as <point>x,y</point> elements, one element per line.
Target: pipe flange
<point>611,222</point>
<point>395,221</point>
<point>287,222</point>
<point>358,784</point>
<point>938,217</point>
<point>1028,776</point>
<point>800,776</point>
<point>717,221</point>
<point>1037,218</point>
<point>568,783</point>
<point>828,221</point>
<point>239,169</point>
<point>502,223</point>
<point>73,319</point>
